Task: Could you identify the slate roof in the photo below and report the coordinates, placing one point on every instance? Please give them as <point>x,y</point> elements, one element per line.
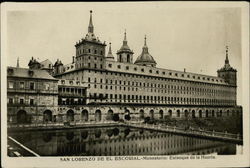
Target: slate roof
<point>29,73</point>
<point>46,63</point>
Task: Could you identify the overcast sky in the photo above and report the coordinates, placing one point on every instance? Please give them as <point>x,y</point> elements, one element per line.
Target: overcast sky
<point>177,37</point>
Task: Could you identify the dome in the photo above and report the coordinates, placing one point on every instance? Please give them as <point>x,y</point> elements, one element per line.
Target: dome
<point>145,58</point>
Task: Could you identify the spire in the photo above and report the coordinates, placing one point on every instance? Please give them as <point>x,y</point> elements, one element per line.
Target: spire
<point>226,60</point>
<point>110,55</point>
<point>17,64</point>
<point>91,27</point>
<point>125,47</point>
<point>145,47</point>
<point>125,38</point>
<point>110,52</point>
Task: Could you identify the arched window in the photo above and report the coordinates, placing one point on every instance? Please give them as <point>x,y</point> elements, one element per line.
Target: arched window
<point>200,114</point>
<point>85,115</point>
<point>120,58</point>
<point>178,113</point>
<point>170,113</point>
<point>70,115</point>
<point>128,58</point>
<point>206,113</point>
<point>98,115</point>
<point>141,114</point>
<point>186,113</point>
<point>110,115</point>
<point>22,117</point>
<point>193,114</point>
<point>47,116</point>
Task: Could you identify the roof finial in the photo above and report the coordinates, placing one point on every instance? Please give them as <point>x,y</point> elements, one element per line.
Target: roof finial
<point>110,55</point>
<point>227,60</point>
<point>91,27</point>
<point>110,52</point>
<point>125,36</point>
<point>17,64</point>
<point>145,47</point>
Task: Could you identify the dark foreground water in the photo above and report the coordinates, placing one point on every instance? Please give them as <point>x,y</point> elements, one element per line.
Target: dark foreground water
<point>113,141</point>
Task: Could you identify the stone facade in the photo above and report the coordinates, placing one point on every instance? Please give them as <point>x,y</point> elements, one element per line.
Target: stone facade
<point>98,88</point>
<point>32,96</point>
<point>124,84</point>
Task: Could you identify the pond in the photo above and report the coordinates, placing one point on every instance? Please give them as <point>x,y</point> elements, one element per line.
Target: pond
<point>118,141</point>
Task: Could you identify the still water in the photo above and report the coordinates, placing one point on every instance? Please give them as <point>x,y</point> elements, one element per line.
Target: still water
<point>116,141</point>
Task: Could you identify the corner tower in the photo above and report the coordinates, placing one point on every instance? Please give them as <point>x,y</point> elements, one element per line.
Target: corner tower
<point>90,51</point>
<point>228,73</point>
<point>125,54</point>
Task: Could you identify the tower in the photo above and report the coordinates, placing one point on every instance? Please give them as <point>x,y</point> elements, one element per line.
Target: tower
<point>90,51</point>
<point>228,73</point>
<point>145,59</point>
<point>125,54</point>
<point>34,64</point>
<point>58,67</point>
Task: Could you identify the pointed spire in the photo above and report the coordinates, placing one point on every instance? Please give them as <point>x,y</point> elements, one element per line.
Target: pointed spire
<point>91,27</point>
<point>125,38</point>
<point>125,47</point>
<point>226,60</point>
<point>17,64</point>
<point>110,52</point>
<point>145,47</point>
<point>110,55</point>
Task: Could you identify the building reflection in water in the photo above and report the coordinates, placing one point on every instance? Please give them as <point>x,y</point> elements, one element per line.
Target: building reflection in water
<point>118,141</point>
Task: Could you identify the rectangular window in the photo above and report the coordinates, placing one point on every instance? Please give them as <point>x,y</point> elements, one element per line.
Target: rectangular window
<point>46,86</point>
<point>21,101</point>
<point>21,85</point>
<point>32,86</point>
<point>31,101</point>
<point>11,85</point>
<point>10,100</point>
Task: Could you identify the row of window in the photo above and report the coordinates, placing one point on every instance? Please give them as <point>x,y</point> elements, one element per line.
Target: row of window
<point>72,90</point>
<point>89,58</point>
<point>168,86</point>
<point>221,93</point>
<point>71,101</point>
<point>89,65</point>
<point>88,51</point>
<point>20,101</point>
<point>138,76</point>
<point>159,98</point>
<point>171,73</point>
<point>21,85</point>
<point>71,82</point>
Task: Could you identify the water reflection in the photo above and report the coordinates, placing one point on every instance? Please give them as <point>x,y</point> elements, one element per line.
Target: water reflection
<point>117,141</point>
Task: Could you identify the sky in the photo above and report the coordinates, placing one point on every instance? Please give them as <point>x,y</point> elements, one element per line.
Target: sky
<point>178,37</point>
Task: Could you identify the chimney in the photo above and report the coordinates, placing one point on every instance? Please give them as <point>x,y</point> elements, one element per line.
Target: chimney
<point>73,59</point>
<point>184,69</point>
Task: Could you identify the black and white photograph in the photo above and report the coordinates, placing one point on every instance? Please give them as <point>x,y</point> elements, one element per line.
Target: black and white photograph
<point>109,83</point>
